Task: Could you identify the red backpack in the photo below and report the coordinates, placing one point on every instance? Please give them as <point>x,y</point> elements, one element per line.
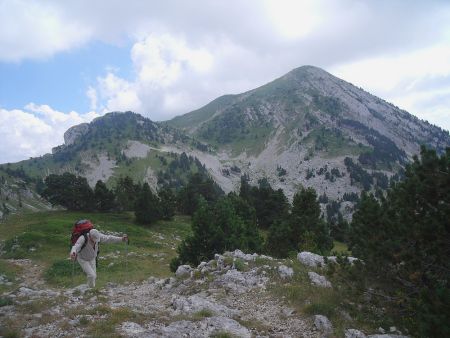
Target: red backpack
<point>81,228</point>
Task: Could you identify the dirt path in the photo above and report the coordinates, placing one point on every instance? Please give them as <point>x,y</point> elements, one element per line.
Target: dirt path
<point>31,273</point>
<point>198,305</point>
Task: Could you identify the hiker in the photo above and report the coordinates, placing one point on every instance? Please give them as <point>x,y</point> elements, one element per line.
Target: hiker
<point>87,254</point>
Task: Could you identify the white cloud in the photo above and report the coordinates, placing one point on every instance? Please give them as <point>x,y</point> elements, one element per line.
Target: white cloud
<point>30,29</point>
<point>35,130</point>
<point>118,94</point>
<point>163,65</point>
<point>185,54</point>
<point>91,93</point>
<point>405,80</point>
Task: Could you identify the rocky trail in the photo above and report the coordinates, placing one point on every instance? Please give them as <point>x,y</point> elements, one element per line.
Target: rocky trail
<point>229,296</point>
<point>217,299</point>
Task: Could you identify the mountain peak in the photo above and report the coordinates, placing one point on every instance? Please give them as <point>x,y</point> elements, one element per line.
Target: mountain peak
<point>307,71</point>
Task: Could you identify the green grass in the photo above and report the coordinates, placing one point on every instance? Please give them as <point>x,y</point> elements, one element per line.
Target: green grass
<point>44,238</point>
<point>333,144</point>
<point>204,313</point>
<point>341,248</point>
<point>336,303</point>
<point>10,272</point>
<point>137,169</point>
<point>5,301</point>
<point>253,143</point>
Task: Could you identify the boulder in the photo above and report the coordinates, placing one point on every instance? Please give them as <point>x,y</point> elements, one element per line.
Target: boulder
<point>197,303</point>
<point>310,259</point>
<point>183,271</point>
<point>333,259</point>
<point>285,272</point>
<point>323,324</point>
<point>319,280</point>
<point>207,327</point>
<point>240,282</point>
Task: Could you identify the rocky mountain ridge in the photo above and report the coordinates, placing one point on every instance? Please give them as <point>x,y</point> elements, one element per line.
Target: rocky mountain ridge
<point>307,128</point>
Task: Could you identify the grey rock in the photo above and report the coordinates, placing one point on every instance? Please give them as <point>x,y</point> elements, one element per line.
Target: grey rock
<point>196,303</point>
<point>239,254</point>
<point>72,134</point>
<point>3,279</point>
<point>183,271</point>
<point>323,324</point>
<point>202,265</point>
<point>131,328</point>
<point>240,282</point>
<point>201,329</point>
<point>352,333</point>
<point>310,259</point>
<point>319,280</point>
<point>287,311</point>
<point>351,260</point>
<point>285,271</point>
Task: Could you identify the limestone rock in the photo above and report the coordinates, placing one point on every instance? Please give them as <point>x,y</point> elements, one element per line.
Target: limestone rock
<point>333,259</point>
<point>323,324</point>
<point>205,328</point>
<point>310,259</point>
<point>319,280</point>
<point>240,282</point>
<point>352,333</point>
<point>72,134</point>
<point>131,328</point>
<point>197,303</point>
<point>183,271</point>
<point>285,271</point>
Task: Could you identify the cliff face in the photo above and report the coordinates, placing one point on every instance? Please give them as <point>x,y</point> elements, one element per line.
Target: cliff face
<point>72,134</point>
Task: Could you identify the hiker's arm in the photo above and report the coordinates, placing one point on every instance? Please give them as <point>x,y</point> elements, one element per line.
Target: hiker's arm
<point>77,246</point>
<point>110,239</point>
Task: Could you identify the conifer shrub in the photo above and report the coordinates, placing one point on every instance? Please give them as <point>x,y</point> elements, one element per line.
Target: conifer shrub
<point>216,228</point>
<point>407,236</point>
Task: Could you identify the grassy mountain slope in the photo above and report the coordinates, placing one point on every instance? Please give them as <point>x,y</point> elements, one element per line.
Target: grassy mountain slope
<point>307,128</point>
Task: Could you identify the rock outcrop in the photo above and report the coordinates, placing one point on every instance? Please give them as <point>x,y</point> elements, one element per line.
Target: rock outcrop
<point>73,133</point>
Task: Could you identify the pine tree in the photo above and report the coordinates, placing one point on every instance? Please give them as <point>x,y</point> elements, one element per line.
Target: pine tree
<point>217,228</point>
<point>147,209</point>
<point>168,203</point>
<point>103,197</point>
<point>407,235</point>
<point>70,191</point>
<point>279,239</point>
<point>126,193</point>
<point>368,229</point>
<point>308,229</point>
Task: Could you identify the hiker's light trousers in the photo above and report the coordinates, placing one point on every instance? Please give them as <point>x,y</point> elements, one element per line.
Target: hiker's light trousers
<point>89,269</point>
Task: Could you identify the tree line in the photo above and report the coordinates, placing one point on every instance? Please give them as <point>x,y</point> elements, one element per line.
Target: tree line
<point>405,232</point>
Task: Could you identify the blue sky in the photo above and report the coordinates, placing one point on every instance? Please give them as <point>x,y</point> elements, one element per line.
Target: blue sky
<point>61,80</point>
<point>66,62</point>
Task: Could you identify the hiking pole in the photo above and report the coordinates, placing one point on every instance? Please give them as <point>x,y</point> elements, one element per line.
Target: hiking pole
<point>126,256</point>
<point>73,271</point>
